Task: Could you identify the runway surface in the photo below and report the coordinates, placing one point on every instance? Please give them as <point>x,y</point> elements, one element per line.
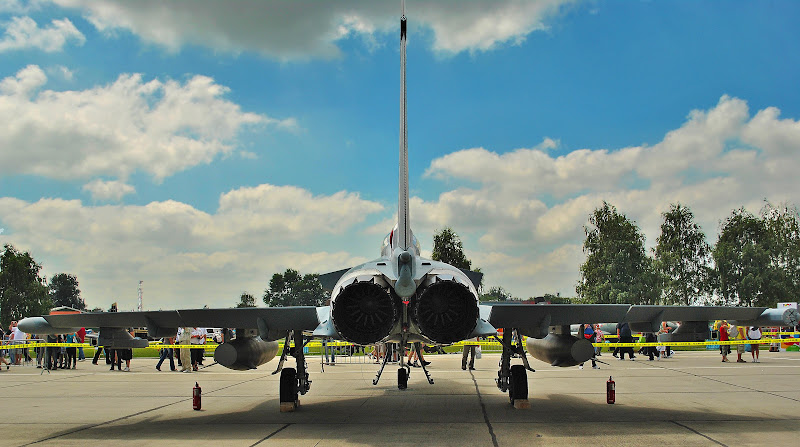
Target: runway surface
<point>691,399</point>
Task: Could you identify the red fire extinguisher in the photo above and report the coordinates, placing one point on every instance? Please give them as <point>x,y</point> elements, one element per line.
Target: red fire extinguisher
<point>611,394</point>
<point>196,396</point>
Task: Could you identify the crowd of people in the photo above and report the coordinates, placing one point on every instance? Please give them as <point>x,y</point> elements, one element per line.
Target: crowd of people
<point>188,360</point>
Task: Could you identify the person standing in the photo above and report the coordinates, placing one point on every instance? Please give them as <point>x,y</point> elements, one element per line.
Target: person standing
<point>184,337</point>
<point>328,349</point>
<point>196,340</point>
<point>625,336</point>
<point>469,350</point>
<point>737,333</point>
<point>724,349</point>
<point>19,338</point>
<point>598,338</point>
<point>587,332</point>
<point>81,337</point>
<point>665,330</point>
<point>71,351</point>
<point>754,334</point>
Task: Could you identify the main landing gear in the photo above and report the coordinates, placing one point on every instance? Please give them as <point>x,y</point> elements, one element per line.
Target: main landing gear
<point>293,381</point>
<point>514,379</point>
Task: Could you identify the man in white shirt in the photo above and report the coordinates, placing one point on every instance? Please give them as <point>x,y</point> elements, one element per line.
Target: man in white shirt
<point>198,338</point>
<point>19,337</point>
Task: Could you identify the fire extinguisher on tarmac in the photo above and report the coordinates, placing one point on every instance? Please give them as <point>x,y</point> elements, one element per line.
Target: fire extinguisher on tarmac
<point>611,394</point>
<point>196,396</point>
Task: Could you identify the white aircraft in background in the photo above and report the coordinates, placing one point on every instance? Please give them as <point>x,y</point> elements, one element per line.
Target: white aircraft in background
<point>406,299</point>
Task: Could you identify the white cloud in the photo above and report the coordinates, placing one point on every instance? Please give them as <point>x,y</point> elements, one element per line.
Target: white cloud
<point>301,29</point>
<point>108,190</point>
<point>23,33</point>
<point>529,204</point>
<point>187,257</point>
<point>60,71</point>
<point>158,127</point>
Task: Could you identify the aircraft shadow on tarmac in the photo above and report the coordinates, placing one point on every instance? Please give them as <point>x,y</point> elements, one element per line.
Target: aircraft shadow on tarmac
<point>351,419</point>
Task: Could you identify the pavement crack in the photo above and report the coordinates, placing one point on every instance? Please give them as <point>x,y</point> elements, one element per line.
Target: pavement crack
<point>698,433</point>
<point>483,410</point>
<point>88,427</point>
<point>724,382</point>
<point>272,434</point>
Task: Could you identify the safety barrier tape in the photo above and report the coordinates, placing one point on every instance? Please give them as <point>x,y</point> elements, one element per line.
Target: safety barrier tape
<point>457,344</point>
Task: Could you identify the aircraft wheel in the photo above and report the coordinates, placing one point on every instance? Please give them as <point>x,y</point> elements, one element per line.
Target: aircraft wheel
<point>402,378</point>
<point>288,392</point>
<point>518,384</point>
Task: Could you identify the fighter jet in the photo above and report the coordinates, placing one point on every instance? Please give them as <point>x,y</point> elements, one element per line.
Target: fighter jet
<point>404,298</point>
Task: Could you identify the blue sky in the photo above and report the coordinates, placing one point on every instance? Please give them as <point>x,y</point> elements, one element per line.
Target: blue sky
<point>202,148</point>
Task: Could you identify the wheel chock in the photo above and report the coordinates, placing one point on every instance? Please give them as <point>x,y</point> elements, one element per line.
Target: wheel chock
<point>522,404</point>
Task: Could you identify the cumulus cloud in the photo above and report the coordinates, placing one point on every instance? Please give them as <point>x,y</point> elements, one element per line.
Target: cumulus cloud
<point>108,190</point>
<point>158,127</point>
<point>301,29</point>
<point>530,204</point>
<point>23,33</point>
<point>183,253</point>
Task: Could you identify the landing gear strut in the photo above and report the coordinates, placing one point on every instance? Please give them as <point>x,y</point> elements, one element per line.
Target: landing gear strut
<point>294,381</point>
<point>513,379</point>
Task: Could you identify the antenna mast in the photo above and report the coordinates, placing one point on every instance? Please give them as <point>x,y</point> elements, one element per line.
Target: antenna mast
<point>141,308</point>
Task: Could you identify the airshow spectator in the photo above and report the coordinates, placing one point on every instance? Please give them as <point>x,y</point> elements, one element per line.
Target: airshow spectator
<point>737,333</point>
<point>19,337</point>
<point>71,351</point>
<point>166,352</point>
<point>625,336</point>
<point>81,337</point>
<point>651,351</point>
<point>587,332</point>
<point>723,336</point>
<point>184,337</point>
<point>125,354</point>
<point>754,334</point>
<point>469,350</point>
<point>197,336</point>
<point>598,338</point>
<point>665,330</point>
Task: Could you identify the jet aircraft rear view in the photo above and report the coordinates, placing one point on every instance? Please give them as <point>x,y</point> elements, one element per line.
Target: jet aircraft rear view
<point>401,298</point>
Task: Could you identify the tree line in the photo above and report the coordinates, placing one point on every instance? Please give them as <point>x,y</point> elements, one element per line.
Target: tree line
<point>755,261</point>
<point>24,291</point>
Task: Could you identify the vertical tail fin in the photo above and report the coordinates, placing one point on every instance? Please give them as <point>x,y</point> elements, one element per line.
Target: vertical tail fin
<point>403,226</point>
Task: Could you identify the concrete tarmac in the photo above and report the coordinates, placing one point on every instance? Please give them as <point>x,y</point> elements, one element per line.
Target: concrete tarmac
<point>691,399</point>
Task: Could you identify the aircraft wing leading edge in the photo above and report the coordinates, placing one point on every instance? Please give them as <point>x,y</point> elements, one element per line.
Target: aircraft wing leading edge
<point>273,318</point>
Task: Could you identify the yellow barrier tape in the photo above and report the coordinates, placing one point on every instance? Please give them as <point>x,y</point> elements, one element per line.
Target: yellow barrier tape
<point>698,343</point>
<point>457,344</point>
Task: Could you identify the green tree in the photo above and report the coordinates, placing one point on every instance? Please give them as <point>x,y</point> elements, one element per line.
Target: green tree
<point>246,300</point>
<point>447,248</point>
<point>616,269</point>
<point>742,260</point>
<point>682,258</point>
<point>64,291</point>
<point>783,245</point>
<point>23,292</point>
<point>293,289</point>
<point>496,293</point>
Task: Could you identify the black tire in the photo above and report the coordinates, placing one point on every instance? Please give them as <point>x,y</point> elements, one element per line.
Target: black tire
<point>288,392</point>
<point>402,378</point>
<point>518,384</point>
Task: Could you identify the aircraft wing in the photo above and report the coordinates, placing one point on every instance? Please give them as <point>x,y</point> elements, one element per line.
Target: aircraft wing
<point>270,318</point>
<point>534,319</point>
